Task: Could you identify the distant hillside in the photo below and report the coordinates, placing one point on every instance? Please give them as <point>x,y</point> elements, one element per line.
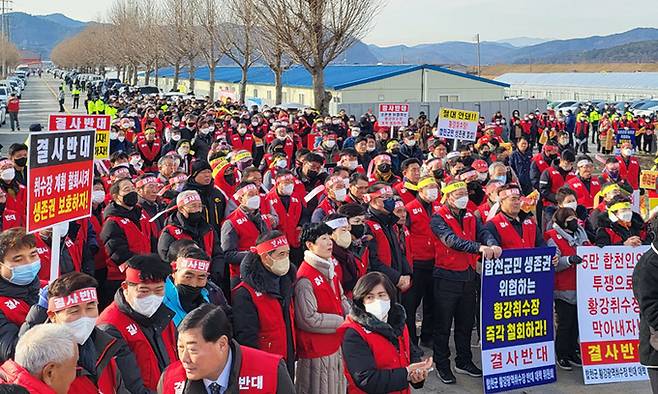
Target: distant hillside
<point>451,52</point>
<point>40,34</point>
<point>521,42</point>
<point>640,52</point>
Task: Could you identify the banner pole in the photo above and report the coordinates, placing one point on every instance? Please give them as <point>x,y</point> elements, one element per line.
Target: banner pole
<point>55,252</point>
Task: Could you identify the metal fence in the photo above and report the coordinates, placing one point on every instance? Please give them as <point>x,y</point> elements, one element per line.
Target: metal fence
<point>431,109</point>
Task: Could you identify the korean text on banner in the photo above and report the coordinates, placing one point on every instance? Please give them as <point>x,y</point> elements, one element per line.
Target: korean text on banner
<point>101,123</point>
<point>393,115</point>
<point>517,320</point>
<point>458,124</point>
<point>59,177</point>
<point>608,314</point>
<point>648,179</point>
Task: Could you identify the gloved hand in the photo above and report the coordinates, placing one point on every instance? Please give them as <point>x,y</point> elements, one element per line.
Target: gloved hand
<point>43,297</point>
<point>575,260</point>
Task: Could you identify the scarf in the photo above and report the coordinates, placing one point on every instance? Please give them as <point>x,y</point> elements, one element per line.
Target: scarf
<point>576,239</point>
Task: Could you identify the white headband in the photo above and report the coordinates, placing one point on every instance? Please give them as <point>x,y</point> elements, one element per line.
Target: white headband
<point>337,223</point>
<point>583,162</point>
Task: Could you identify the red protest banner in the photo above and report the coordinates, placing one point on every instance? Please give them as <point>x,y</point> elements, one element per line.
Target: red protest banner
<point>100,123</point>
<point>60,177</point>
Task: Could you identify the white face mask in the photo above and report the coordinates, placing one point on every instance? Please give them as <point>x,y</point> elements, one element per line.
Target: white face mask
<point>330,144</point>
<point>282,163</point>
<point>253,202</point>
<point>114,135</point>
<point>573,205</point>
<point>379,308</point>
<point>280,267</point>
<point>355,133</point>
<point>461,202</point>
<point>626,152</point>
<point>8,174</point>
<point>183,152</point>
<point>340,194</point>
<point>148,305</point>
<point>410,143</point>
<point>370,148</point>
<point>432,194</point>
<point>287,189</point>
<point>121,138</point>
<point>175,137</point>
<point>97,196</point>
<point>81,328</point>
<point>625,216</point>
<point>344,239</point>
<point>242,131</point>
<point>353,164</point>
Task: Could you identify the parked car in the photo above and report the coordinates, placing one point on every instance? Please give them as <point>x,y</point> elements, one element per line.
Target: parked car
<point>149,90</point>
<point>3,114</point>
<point>4,94</point>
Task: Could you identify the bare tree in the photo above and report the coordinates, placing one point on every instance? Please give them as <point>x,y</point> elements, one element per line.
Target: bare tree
<point>315,32</point>
<point>209,19</point>
<point>277,60</point>
<point>183,36</point>
<point>238,43</point>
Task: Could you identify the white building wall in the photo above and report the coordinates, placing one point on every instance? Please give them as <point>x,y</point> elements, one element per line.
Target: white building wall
<point>553,93</point>
<point>447,87</point>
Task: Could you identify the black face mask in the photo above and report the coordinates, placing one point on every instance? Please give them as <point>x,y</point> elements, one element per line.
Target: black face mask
<point>194,217</point>
<point>485,154</point>
<point>384,168</point>
<point>438,174</point>
<point>130,199</point>
<point>312,174</point>
<point>571,225</point>
<point>229,177</point>
<point>21,162</point>
<point>188,293</point>
<point>395,151</point>
<point>358,230</point>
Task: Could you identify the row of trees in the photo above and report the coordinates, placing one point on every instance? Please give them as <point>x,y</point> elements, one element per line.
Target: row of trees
<point>146,35</point>
<point>9,56</point>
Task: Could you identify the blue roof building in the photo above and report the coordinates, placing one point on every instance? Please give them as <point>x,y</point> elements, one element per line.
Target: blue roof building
<point>351,84</point>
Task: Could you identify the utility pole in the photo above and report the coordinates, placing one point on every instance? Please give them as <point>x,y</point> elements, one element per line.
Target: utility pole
<point>4,34</point>
<point>477,39</point>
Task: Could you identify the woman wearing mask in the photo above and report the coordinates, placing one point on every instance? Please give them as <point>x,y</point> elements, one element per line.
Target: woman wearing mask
<point>348,268</point>
<point>356,216</point>
<point>119,142</point>
<point>319,310</point>
<point>520,162</point>
<point>264,299</point>
<point>183,150</point>
<point>566,236</point>
<point>622,226</point>
<point>377,321</point>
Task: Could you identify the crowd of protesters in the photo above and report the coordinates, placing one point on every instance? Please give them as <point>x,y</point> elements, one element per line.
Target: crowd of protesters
<point>235,248</point>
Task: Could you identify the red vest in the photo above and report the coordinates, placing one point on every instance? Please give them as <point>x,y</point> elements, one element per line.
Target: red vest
<point>451,259</point>
<point>45,255</point>
<point>107,381</point>
<point>565,279</point>
<point>272,337</point>
<point>422,239</point>
<point>247,234</point>
<point>404,193</point>
<point>288,220</point>
<point>539,161</point>
<point>12,373</point>
<point>178,233</point>
<point>132,333</point>
<point>14,309</point>
<point>630,173</point>
<point>585,197</point>
<point>557,181</point>
<point>10,219</point>
<point>484,209</point>
<point>383,247</point>
<point>100,259</point>
<point>509,238</point>
<point>615,239</point>
<point>149,229</point>
<point>258,374</point>
<point>386,356</point>
<point>326,206</point>
<point>138,243</point>
<point>238,144</point>
<point>18,203</point>
<point>149,153</point>
<point>310,344</point>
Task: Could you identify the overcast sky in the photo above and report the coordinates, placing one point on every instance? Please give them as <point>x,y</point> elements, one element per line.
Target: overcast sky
<point>414,22</point>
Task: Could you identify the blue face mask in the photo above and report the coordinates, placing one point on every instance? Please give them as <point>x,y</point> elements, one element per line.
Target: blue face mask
<point>389,205</point>
<point>24,274</point>
<point>502,178</point>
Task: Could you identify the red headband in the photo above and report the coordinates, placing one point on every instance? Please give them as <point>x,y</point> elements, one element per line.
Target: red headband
<point>177,179</point>
<point>285,178</point>
<point>145,181</point>
<point>191,197</point>
<point>244,190</point>
<point>133,275</point>
<point>270,245</point>
<point>78,297</point>
<point>371,196</point>
<point>508,193</point>
<point>187,263</point>
<point>334,180</point>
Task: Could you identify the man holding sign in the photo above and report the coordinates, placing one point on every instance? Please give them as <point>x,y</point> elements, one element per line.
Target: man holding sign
<point>461,240</point>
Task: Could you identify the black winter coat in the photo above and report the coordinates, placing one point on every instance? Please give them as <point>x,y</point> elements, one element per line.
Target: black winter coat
<point>113,236</point>
<point>645,290</point>
<point>9,330</point>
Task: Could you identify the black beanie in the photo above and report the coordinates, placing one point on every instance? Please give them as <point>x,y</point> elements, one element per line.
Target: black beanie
<point>198,166</point>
